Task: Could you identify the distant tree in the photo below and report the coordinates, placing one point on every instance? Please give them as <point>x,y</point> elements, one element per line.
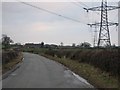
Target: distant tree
<point>85,44</point>
<point>73,45</point>
<point>6,41</point>
<point>42,44</point>
<point>17,43</point>
<point>61,43</point>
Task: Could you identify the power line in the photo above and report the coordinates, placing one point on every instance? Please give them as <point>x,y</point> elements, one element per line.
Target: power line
<point>76,4</point>
<point>51,12</point>
<point>85,5</point>
<point>82,3</point>
<point>95,12</point>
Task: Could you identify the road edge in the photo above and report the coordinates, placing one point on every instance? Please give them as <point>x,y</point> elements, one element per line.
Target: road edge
<point>12,70</point>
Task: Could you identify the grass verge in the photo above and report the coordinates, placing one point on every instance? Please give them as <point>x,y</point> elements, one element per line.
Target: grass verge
<point>95,76</point>
<point>10,65</point>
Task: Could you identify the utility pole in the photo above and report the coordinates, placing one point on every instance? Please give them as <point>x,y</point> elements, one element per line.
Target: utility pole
<point>104,34</point>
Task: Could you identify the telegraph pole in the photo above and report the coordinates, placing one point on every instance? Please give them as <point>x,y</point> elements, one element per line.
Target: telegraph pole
<point>104,34</point>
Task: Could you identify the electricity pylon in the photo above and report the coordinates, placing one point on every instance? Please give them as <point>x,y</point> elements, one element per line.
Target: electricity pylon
<point>95,34</point>
<point>104,34</point>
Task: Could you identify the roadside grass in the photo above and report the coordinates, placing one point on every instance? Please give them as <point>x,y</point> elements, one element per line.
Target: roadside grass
<point>12,63</point>
<point>95,76</point>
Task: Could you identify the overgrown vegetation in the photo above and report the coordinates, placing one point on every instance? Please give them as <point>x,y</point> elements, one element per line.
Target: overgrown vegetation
<point>105,59</point>
<point>95,76</point>
<point>99,66</point>
<point>10,57</point>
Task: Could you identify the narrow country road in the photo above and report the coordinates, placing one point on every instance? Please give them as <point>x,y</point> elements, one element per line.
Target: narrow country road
<point>39,72</point>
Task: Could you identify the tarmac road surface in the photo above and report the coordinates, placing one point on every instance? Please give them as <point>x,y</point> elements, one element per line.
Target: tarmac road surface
<point>39,72</point>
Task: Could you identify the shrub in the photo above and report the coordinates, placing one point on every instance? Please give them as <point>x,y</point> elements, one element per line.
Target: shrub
<point>7,56</point>
<point>105,59</point>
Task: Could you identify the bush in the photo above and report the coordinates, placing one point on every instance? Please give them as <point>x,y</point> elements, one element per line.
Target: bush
<point>7,56</point>
<point>105,59</point>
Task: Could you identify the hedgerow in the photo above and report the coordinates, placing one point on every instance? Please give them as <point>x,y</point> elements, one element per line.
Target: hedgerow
<point>106,59</point>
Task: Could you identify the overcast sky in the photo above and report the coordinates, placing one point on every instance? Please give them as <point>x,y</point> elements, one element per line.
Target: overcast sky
<point>24,23</point>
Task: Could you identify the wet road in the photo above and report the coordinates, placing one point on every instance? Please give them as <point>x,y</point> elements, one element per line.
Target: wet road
<point>39,72</point>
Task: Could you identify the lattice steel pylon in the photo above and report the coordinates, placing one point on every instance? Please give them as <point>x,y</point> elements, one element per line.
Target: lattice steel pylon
<point>104,34</point>
<point>95,33</point>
